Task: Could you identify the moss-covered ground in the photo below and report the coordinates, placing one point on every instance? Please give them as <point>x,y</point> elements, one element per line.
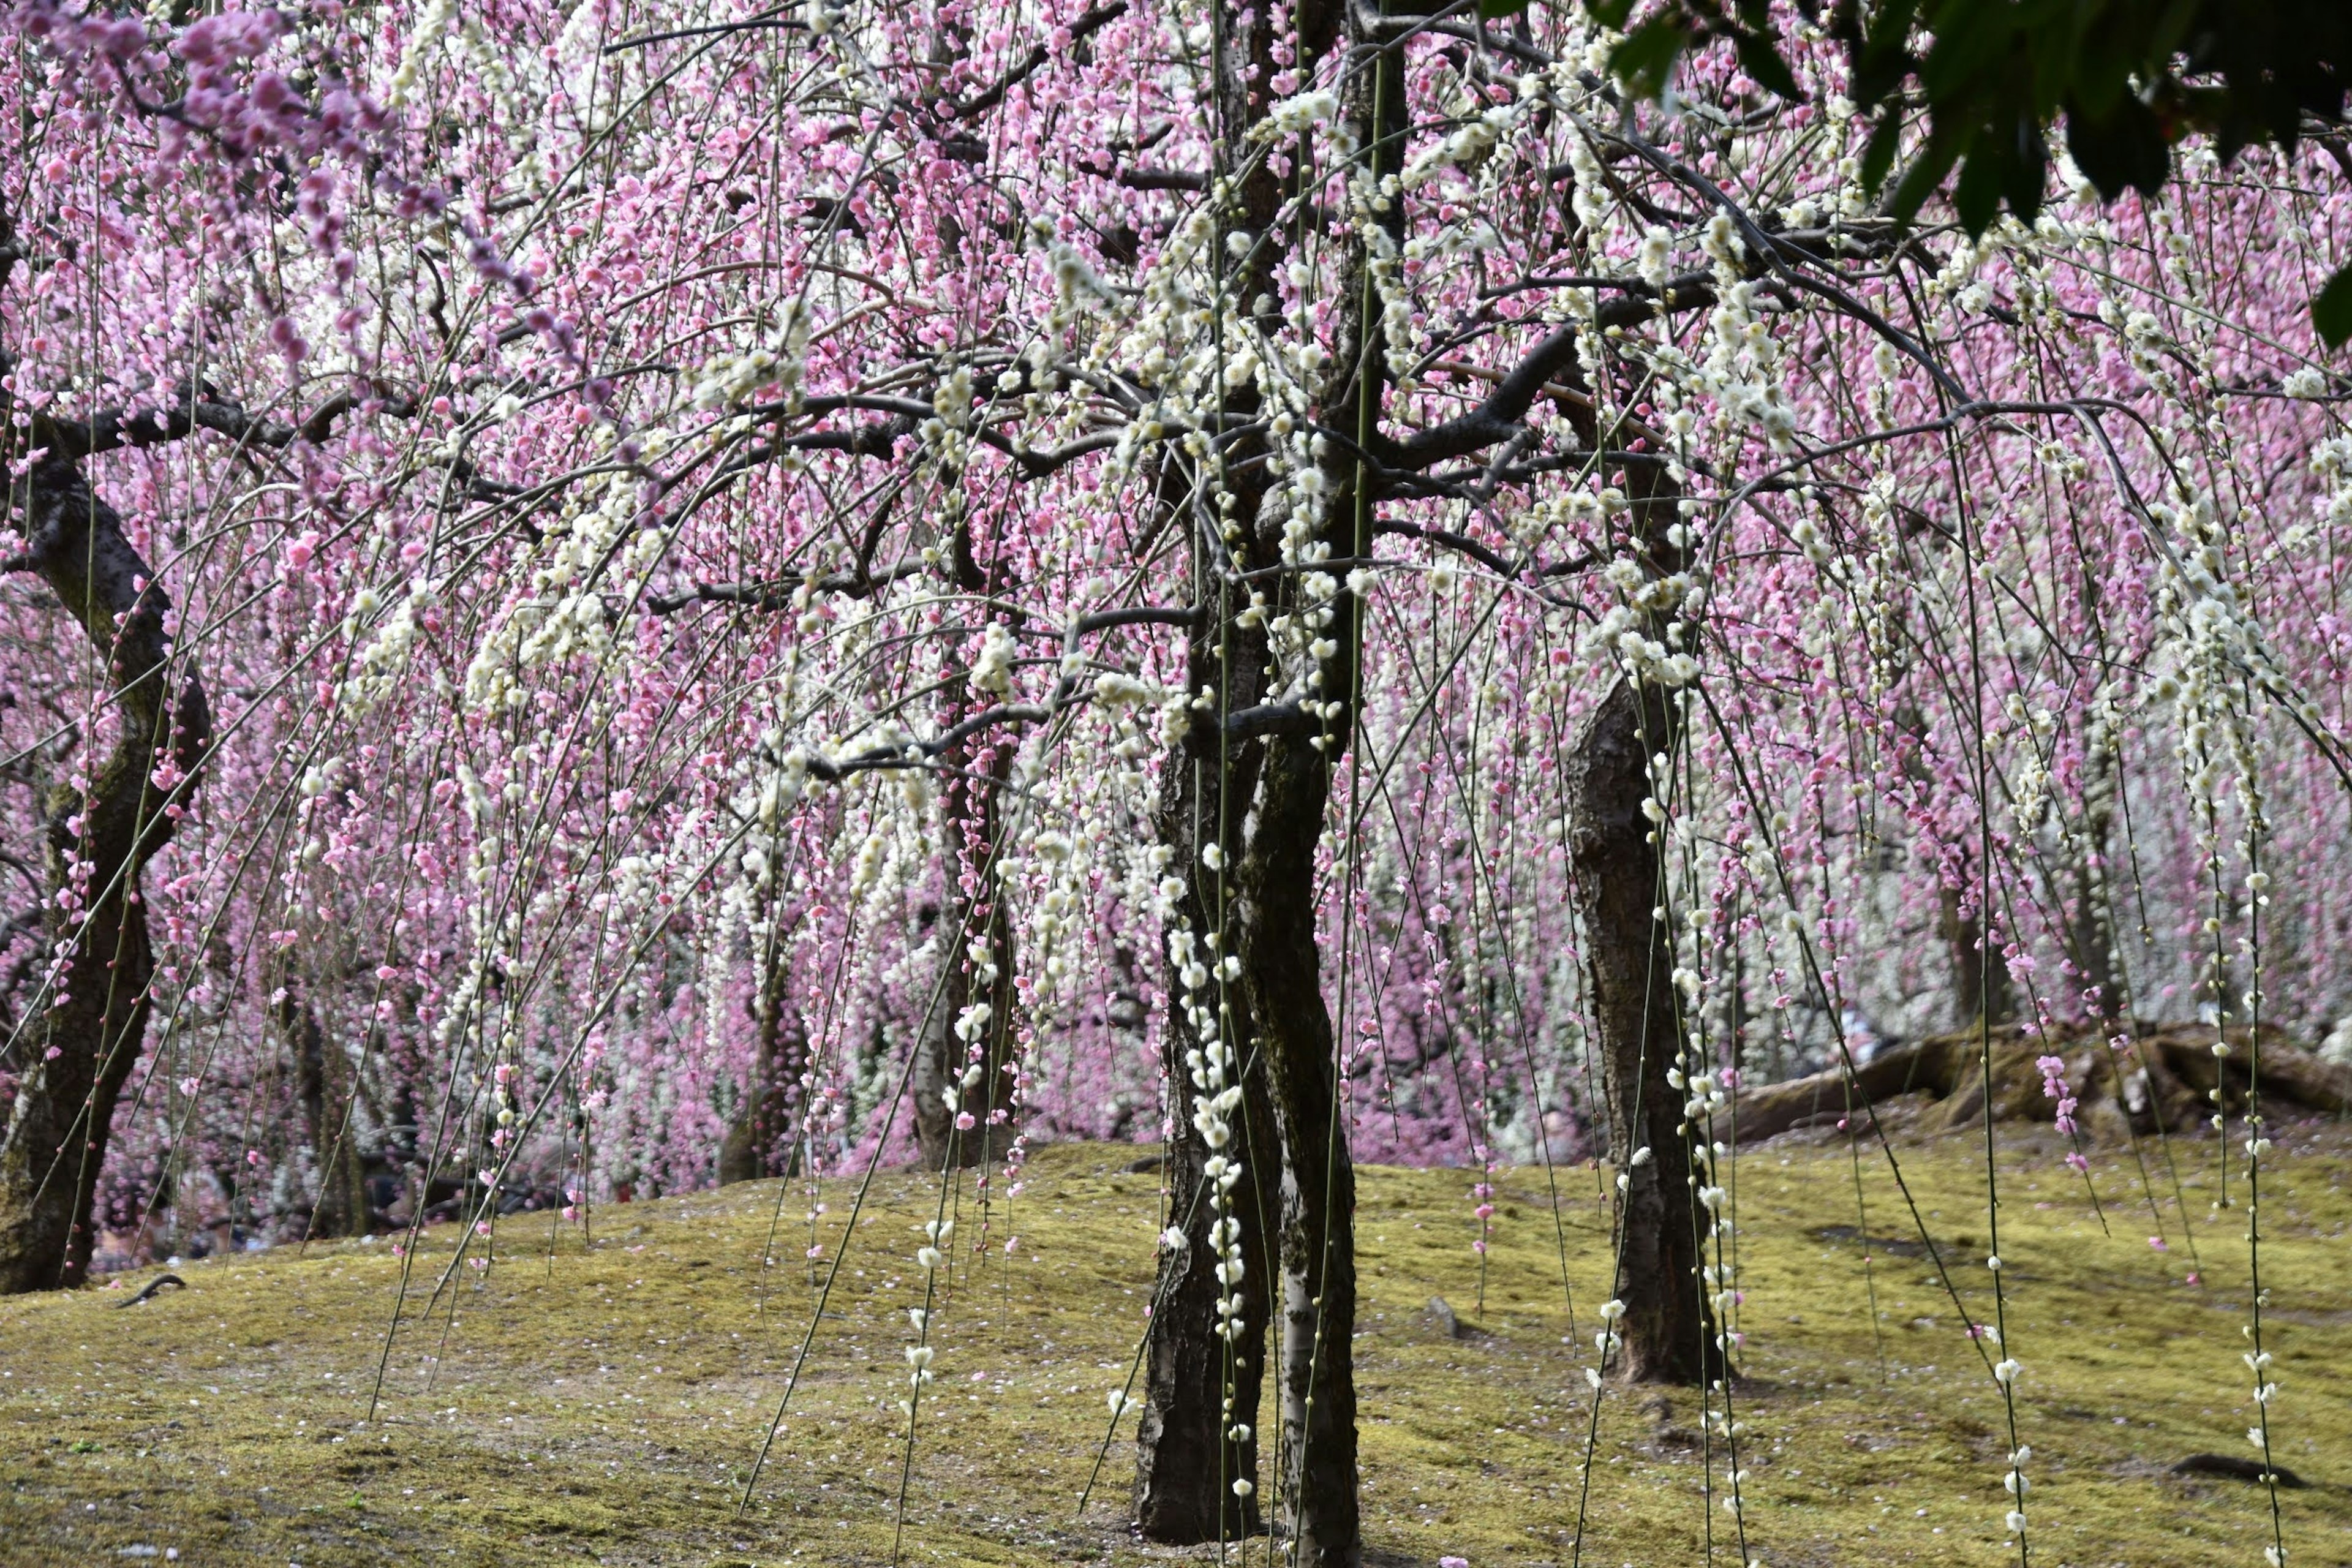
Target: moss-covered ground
<point>600,1400</point>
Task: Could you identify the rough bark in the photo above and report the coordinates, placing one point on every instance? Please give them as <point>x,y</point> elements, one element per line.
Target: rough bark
<point>1283,973</point>
<point>1187,1456</point>
<point>76,1054</point>
<point>1666,1329</point>
<point>1195,1399</point>
<point>1668,1333</point>
<point>1275,883</point>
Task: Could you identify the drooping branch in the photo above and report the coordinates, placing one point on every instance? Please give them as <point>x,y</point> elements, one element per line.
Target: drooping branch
<point>191,409</point>
<point>988,97</point>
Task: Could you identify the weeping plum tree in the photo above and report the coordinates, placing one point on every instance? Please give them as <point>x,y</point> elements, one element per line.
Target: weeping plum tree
<point>758,560</point>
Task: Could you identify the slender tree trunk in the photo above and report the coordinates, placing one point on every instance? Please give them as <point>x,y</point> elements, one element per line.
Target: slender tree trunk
<point>1281,964</point>
<point>328,1097</point>
<point>1981,984</point>
<point>1279,951</point>
<point>2090,930</point>
<point>1281,960</point>
<point>976,937</point>
<point>76,1054</point>
<point>2138,1069</point>
<point>1666,1328</point>
<point>752,1148</point>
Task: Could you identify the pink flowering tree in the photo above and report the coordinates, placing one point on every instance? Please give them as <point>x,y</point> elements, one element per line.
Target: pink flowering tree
<point>606,601</point>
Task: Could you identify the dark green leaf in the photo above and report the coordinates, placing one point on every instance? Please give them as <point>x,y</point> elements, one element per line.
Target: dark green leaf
<point>2125,150</point>
<point>2025,167</point>
<point>1977,197</point>
<point>1879,156</point>
<point>1961,59</point>
<point>1881,56</point>
<point>1645,61</point>
<point>2332,311</point>
<point>1925,176</point>
<point>2092,74</point>
<point>1609,13</point>
<point>1494,10</point>
<point>2167,34</point>
<point>1760,59</point>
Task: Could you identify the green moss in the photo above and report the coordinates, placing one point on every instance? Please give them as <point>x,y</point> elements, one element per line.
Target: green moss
<point>603,1403</point>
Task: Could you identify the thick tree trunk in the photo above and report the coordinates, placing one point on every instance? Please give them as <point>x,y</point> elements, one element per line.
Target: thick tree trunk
<point>323,1083</point>
<point>57,1125</point>
<point>1198,1435</point>
<point>754,1148</point>
<point>1668,1333</point>
<point>78,1050</point>
<point>1668,1337</point>
<point>1203,1376</point>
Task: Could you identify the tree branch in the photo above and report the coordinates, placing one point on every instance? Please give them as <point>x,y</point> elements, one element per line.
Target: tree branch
<point>1093,22</point>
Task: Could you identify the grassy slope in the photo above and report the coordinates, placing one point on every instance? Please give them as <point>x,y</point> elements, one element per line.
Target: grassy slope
<point>603,1403</point>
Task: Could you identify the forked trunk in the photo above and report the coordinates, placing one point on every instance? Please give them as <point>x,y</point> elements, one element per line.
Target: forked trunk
<point>1281,960</point>
<point>1197,1451</point>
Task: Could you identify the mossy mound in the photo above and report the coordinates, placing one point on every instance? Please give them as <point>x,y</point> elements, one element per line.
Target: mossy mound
<point>601,1402</point>
<point>2162,1078</point>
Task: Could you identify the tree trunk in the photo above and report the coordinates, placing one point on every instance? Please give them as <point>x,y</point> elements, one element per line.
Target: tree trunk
<point>1202,1386</point>
<point>976,937</point>
<point>1980,988</point>
<point>2090,925</point>
<point>1619,896</point>
<point>79,1051</point>
<point>329,1097</point>
<point>1281,962</point>
<point>1198,1436</point>
<point>1980,985</point>
<point>1283,971</point>
<point>753,1148</point>
<point>1666,1328</point>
